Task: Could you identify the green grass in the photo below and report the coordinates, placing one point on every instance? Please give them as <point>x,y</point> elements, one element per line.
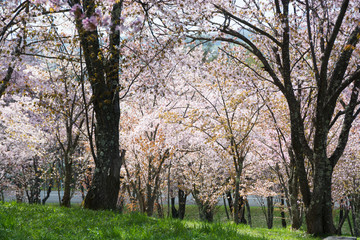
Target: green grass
<point>258,218</point>
<point>23,221</point>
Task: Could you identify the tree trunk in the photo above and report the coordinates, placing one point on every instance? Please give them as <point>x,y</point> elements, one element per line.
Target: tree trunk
<point>242,210</point>
<point>283,219</point>
<point>237,199</point>
<point>104,190</point>
<point>65,202</point>
<point>248,213</point>
<point>103,75</point>
<point>226,209</point>
<point>48,191</point>
<point>150,206</point>
<point>206,212</point>
<point>355,212</point>
<point>159,208</point>
<point>270,211</point>
<point>34,195</point>
<point>230,201</point>
<point>343,214</point>
<point>182,204</point>
<point>296,216</point>
<point>319,218</point>
<point>174,211</point>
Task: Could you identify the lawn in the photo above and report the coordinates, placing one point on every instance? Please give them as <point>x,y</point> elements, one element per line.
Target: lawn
<point>23,221</point>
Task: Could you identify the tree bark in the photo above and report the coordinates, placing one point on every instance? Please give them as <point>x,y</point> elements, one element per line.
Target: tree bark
<point>248,213</point>
<point>104,79</point>
<point>182,204</point>
<point>48,192</point>
<point>329,83</point>
<point>65,201</point>
<point>174,211</point>
<point>282,207</point>
<point>319,216</point>
<point>293,183</point>
<point>355,212</point>
<point>270,212</point>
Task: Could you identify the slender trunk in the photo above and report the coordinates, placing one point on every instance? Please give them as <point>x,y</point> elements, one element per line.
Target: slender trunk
<point>226,210</point>
<point>248,213</point>
<point>237,199</point>
<point>59,188</point>
<point>48,192</point>
<point>82,190</point>
<point>168,190</point>
<point>350,226</point>
<point>174,211</point>
<point>230,201</point>
<point>65,202</point>
<point>270,211</point>
<point>182,204</point>
<point>282,207</point>
<point>342,218</point>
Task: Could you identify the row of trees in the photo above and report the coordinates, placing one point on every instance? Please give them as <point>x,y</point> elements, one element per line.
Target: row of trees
<point>213,98</point>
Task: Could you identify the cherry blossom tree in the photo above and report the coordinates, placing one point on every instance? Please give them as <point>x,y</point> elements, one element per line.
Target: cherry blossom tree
<point>222,107</point>
<point>307,49</point>
<point>13,27</point>
<point>24,147</point>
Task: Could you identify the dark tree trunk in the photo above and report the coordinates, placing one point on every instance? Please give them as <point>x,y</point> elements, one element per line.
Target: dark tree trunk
<point>319,216</point>
<point>150,203</point>
<point>34,194</point>
<point>330,79</point>
<point>182,204</point>
<point>179,213</point>
<point>65,202</point>
<point>159,208</point>
<point>282,213</point>
<point>270,212</point>
<point>226,209</point>
<point>174,211</point>
<point>237,199</point>
<point>242,208</point>
<point>230,201</point>
<point>206,212</point>
<point>104,190</point>
<point>343,215</point>
<point>295,210</point>
<point>103,75</point>
<point>350,226</point>
<point>48,191</point>
<point>355,212</point>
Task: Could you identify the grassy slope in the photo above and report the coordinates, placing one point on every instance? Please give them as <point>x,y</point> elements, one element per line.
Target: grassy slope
<point>258,219</point>
<point>22,221</point>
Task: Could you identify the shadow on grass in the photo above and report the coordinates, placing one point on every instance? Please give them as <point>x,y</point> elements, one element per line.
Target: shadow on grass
<point>22,221</point>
